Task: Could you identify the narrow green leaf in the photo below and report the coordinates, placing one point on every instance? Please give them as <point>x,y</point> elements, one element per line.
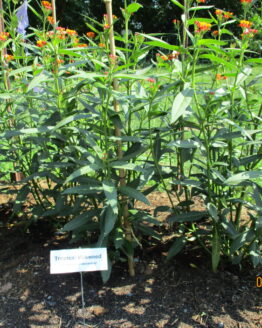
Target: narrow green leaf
<point>37,80</point>
<point>215,249</point>
<point>84,170</point>
<point>212,210</point>
<point>105,274</point>
<point>110,220</point>
<point>111,194</point>
<point>177,3</point>
<point>219,60</point>
<point>82,190</point>
<point>180,104</point>
<point>133,193</point>
<point>243,176</point>
<point>187,217</point>
<point>176,247</point>
<point>79,221</point>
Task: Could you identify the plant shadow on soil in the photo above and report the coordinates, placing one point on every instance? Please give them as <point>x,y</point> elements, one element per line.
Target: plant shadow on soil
<point>182,293</point>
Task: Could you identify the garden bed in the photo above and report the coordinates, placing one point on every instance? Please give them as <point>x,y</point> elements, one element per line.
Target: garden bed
<point>183,293</point>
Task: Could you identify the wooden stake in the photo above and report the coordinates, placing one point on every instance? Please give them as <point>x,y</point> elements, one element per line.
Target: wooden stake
<point>54,11</point>
<point>122,173</point>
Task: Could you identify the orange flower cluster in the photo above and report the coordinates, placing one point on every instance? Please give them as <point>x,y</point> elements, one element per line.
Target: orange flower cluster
<point>245,1</point>
<point>215,33</point>
<point>8,58</point>
<point>71,32</point>
<point>59,61</point>
<point>201,1</point>
<point>245,24</point>
<point>4,36</point>
<point>223,14</point>
<point>81,45</point>
<point>176,21</point>
<point>51,20</point>
<point>228,15</point>
<point>249,32</point>
<point>173,55</point>
<point>202,27</point>
<point>151,80</point>
<point>101,45</point>
<point>47,5</point>
<point>41,43</point>
<point>106,26</point>
<point>220,77</point>
<point>90,35</point>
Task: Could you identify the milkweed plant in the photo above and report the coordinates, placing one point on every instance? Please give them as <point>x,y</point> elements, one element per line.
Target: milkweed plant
<point>97,122</point>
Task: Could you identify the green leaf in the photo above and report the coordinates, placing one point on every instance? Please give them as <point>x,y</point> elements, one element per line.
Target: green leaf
<point>219,60</point>
<point>185,144</point>
<point>84,170</point>
<point>212,210</point>
<point>176,247</point>
<point>133,193</point>
<point>180,104</point>
<point>111,194</point>
<point>70,119</point>
<point>126,166</point>
<point>239,241</point>
<point>37,80</point>
<point>243,176</point>
<point>133,7</point>
<point>199,8</point>
<point>177,3</point>
<point>211,41</point>
<point>215,250</point>
<point>105,274</point>
<point>155,42</point>
<point>110,220</point>
<point>82,190</point>
<point>79,221</point>
<point>254,60</point>
<point>187,217</point>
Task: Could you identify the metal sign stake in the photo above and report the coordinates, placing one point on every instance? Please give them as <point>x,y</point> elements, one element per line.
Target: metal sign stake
<point>82,296</point>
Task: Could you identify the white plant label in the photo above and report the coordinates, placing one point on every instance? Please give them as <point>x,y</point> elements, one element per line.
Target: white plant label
<point>78,260</point>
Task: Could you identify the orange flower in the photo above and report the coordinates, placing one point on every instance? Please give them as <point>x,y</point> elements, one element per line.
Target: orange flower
<point>101,45</point>
<point>174,55</point>
<point>151,80</point>
<point>245,23</point>
<point>41,43</point>
<point>59,61</point>
<point>245,1</point>
<point>202,27</point>
<point>164,57</point>
<point>220,77</point>
<point>114,17</point>
<point>90,35</point>
<point>106,26</point>
<point>228,15</point>
<point>81,45</point>
<point>4,36</point>
<point>47,5</point>
<point>218,12</point>
<point>201,1</point>
<point>8,58</point>
<point>215,33</point>
<point>71,32</point>
<point>51,20</point>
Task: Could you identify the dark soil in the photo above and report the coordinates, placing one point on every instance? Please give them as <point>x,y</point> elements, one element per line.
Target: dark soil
<point>183,293</point>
